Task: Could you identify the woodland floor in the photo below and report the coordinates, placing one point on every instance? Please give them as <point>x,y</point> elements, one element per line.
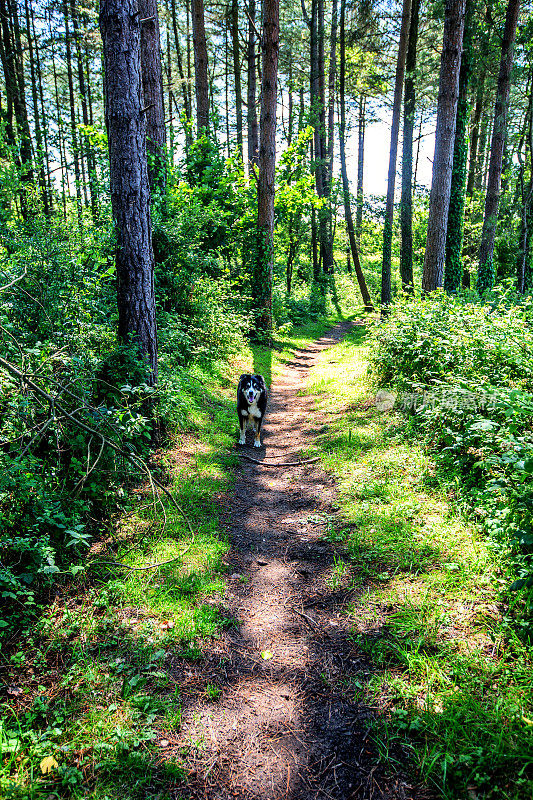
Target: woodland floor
<point>286,724</point>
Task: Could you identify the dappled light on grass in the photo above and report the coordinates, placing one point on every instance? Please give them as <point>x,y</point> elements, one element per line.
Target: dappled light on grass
<point>450,681</point>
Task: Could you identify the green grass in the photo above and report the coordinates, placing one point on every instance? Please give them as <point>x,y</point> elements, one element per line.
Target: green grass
<point>89,692</point>
<point>450,684</point>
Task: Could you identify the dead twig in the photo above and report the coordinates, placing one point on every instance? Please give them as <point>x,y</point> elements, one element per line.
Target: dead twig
<point>279,463</point>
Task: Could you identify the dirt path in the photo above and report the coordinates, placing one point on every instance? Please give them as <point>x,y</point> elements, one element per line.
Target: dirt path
<point>287,726</point>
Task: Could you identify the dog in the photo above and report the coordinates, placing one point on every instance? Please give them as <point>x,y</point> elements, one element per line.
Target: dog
<point>252,398</point>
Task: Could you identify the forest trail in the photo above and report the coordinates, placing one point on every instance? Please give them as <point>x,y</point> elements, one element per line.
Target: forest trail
<point>284,726</point>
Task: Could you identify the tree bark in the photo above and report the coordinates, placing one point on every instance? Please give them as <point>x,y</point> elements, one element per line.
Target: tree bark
<point>120,26</point>
<point>201,80</point>
<point>360,168</point>
<point>486,271</point>
<point>154,104</point>
<point>365,294</point>
<point>523,257</point>
<point>439,199</point>
<point>237,72</point>
<point>386,266</point>
<point>406,203</point>
<point>264,256</point>
<point>72,105</point>
<point>88,150</point>
<point>453,269</point>
<point>40,153</point>
<point>253,131</point>
<point>183,80</point>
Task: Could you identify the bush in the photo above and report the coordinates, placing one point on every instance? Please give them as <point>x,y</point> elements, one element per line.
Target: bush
<point>464,373</point>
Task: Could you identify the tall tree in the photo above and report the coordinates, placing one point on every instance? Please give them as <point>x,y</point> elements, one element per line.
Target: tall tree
<point>253,131</point>
<point>72,106</point>
<point>183,80</point>
<point>406,204</point>
<point>360,165</point>
<point>120,26</point>
<point>40,150</point>
<point>201,80</point>
<point>237,71</point>
<point>152,79</point>
<point>365,294</point>
<point>87,148</point>
<point>264,251</point>
<point>453,269</point>
<point>486,272</point>
<point>17,125</point>
<point>386,266</point>
<point>523,259</point>
<point>439,199</point>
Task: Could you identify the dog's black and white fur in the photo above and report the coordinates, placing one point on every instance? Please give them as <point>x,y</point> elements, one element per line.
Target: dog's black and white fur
<point>251,405</point>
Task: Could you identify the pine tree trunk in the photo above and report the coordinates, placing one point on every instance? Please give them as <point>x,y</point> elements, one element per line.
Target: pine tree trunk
<point>88,150</point>
<point>120,26</point>
<point>17,113</point>
<point>72,105</point>
<point>44,118</point>
<point>406,204</point>
<point>152,79</point>
<point>453,269</point>
<point>386,266</point>
<point>439,199</point>
<point>183,80</point>
<point>237,72</point>
<point>523,257</point>
<point>253,131</point>
<point>360,168</point>
<point>365,294</point>
<point>486,271</point>
<point>37,117</point>
<point>201,80</point>
<point>264,256</point>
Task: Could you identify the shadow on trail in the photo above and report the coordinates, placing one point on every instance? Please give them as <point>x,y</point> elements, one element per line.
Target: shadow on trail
<point>291,720</point>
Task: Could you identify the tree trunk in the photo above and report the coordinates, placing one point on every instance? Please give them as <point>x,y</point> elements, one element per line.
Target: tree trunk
<point>72,104</point>
<point>40,155</point>
<point>183,80</point>
<point>253,132</point>
<point>152,79</point>
<point>523,258</point>
<point>406,204</point>
<point>201,80</point>
<point>17,113</point>
<point>264,256</point>
<point>360,168</point>
<point>386,290</point>
<point>453,269</point>
<point>439,199</point>
<point>237,72</point>
<point>486,271</point>
<point>120,26</point>
<point>88,150</point>
<point>365,294</point>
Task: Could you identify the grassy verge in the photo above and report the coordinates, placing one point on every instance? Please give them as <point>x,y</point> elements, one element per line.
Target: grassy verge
<point>89,700</point>
<point>450,683</point>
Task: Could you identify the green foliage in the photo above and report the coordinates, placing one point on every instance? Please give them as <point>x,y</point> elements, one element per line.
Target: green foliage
<point>465,373</point>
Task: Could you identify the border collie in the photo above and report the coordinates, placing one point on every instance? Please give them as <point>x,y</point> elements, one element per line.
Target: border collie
<point>251,405</point>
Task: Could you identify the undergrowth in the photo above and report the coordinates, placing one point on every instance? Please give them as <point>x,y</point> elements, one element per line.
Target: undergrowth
<point>91,703</point>
<point>448,676</point>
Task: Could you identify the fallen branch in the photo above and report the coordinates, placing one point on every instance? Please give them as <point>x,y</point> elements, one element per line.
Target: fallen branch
<point>54,405</point>
<point>280,463</point>
<point>148,566</point>
<point>306,618</point>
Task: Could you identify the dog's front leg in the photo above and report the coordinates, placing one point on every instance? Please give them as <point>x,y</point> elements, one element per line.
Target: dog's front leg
<point>257,426</point>
<point>242,424</point>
